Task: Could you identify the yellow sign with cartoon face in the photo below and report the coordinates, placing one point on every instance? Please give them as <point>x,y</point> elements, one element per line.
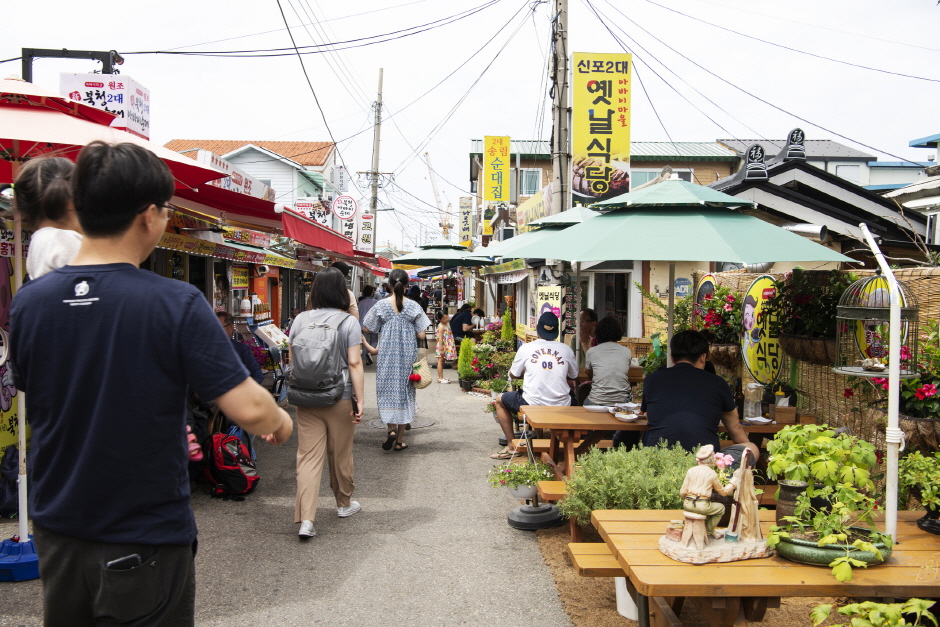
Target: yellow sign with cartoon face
<point>870,336</point>
<point>760,345</point>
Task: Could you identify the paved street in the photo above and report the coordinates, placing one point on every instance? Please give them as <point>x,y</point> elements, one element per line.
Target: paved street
<point>430,547</point>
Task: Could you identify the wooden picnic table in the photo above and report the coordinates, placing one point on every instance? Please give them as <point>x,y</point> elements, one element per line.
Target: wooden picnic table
<point>571,425</point>
<point>735,593</point>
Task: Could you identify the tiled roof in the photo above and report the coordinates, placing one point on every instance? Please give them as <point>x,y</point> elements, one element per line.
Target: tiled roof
<point>815,148</point>
<point>304,153</point>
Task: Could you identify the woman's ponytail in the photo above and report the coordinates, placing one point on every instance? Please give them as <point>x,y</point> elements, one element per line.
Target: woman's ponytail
<point>398,279</point>
<point>43,190</point>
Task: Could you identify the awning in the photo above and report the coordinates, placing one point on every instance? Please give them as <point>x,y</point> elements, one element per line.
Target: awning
<point>315,235</point>
<point>384,263</point>
<point>365,265</point>
<point>231,251</point>
<point>230,202</point>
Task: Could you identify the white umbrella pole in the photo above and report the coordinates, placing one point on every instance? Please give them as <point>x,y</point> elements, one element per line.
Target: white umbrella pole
<point>577,329</point>
<point>893,435</point>
<point>21,397</point>
<point>671,314</point>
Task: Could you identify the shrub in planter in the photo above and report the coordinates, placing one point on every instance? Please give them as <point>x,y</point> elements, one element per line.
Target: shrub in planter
<point>508,332</point>
<point>465,359</point>
<point>641,478</point>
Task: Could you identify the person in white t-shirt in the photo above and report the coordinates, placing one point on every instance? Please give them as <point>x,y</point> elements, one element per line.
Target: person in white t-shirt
<point>547,366</point>
<point>42,195</point>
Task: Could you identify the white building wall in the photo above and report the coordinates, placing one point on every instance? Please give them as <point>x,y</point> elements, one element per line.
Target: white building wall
<point>262,166</point>
<point>889,176</point>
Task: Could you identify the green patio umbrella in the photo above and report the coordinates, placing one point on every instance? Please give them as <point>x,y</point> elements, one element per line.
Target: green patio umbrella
<point>673,193</point>
<point>506,247</point>
<point>443,253</point>
<point>575,215</point>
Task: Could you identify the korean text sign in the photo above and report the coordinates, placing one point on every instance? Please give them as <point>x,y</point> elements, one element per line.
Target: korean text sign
<point>600,142</point>
<point>466,220</point>
<point>365,235</point>
<point>495,169</point>
<point>115,93</point>
<point>760,344</point>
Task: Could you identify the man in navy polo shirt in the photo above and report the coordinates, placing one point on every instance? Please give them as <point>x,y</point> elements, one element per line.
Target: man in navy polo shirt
<point>546,365</point>
<point>105,353</point>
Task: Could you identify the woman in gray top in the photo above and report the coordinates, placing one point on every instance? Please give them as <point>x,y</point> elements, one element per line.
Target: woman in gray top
<point>607,366</point>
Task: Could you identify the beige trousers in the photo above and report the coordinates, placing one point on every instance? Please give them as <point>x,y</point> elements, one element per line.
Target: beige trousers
<point>330,431</point>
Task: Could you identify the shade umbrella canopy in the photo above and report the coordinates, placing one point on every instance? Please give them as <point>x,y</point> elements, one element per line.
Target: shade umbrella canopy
<point>446,256</point>
<point>680,234</point>
<point>443,243</point>
<point>507,247</point>
<point>15,93</point>
<point>27,133</point>
<point>673,193</point>
<point>575,215</point>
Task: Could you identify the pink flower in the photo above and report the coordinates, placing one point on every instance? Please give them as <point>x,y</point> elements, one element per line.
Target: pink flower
<point>882,382</point>
<point>730,298</point>
<point>728,307</point>
<point>905,352</point>
<point>708,296</point>
<point>849,393</point>
<point>722,460</point>
<point>925,391</point>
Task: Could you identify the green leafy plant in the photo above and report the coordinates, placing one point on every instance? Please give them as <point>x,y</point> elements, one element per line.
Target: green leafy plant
<point>512,475</point>
<point>641,478</point>
<point>465,359</point>
<point>499,385</point>
<point>919,476</point>
<point>872,614</point>
<point>508,331</point>
<point>490,408</point>
<point>806,303</point>
<point>835,525</point>
<point>683,309</point>
<point>656,358</point>
<point>817,455</point>
<point>502,362</point>
<point>489,338</point>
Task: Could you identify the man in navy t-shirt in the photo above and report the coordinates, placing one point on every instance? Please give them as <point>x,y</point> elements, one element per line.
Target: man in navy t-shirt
<point>105,353</point>
<point>685,404</point>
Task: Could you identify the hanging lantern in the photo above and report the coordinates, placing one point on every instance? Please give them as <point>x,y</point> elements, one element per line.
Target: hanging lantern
<point>862,329</point>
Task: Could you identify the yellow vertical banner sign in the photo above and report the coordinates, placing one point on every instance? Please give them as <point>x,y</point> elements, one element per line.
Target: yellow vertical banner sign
<point>496,169</point>
<point>466,220</point>
<point>9,396</point>
<point>600,141</point>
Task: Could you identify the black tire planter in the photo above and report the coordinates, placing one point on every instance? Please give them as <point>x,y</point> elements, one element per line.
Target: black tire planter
<point>788,492</point>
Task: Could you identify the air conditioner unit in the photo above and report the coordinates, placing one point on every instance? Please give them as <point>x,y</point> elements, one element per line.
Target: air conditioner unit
<point>262,270</point>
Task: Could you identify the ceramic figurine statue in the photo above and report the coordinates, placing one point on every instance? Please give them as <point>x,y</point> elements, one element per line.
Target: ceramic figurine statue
<point>696,540</point>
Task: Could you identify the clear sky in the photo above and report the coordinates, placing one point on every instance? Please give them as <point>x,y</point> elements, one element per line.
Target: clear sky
<point>501,90</point>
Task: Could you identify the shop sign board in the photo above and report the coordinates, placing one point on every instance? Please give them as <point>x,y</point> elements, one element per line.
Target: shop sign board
<point>870,337</point>
<point>365,236</point>
<point>240,277</point>
<point>466,220</point>
<point>495,168</point>
<point>536,207</point>
<point>245,236</point>
<point>706,287</point>
<point>195,246</point>
<point>340,179</point>
<point>760,344</point>
<point>347,229</point>
<point>509,266</point>
<point>548,298</point>
<point>511,277</point>
<point>117,94</point>
<point>600,141</point>
<point>7,245</point>
<point>237,181</point>
<point>344,207</point>
<point>312,208</point>
<point>682,286</point>
<point>572,303</point>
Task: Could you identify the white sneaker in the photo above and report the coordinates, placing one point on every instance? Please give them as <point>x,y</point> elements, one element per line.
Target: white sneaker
<point>346,512</point>
<point>306,530</point>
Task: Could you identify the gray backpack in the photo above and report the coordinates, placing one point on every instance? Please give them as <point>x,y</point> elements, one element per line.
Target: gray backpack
<point>316,376</point>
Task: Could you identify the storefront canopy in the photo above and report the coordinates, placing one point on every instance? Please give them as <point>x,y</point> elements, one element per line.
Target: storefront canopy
<point>315,235</point>
<point>443,253</point>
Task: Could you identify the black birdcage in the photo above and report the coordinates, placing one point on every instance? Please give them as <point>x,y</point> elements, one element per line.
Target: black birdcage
<point>862,336</point>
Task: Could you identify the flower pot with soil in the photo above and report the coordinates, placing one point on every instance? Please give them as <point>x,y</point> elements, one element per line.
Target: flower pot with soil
<point>520,478</point>
<point>814,350</point>
<point>919,477</point>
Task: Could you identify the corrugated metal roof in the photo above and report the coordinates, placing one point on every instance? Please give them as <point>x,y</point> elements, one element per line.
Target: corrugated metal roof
<point>304,153</point>
<point>815,148</point>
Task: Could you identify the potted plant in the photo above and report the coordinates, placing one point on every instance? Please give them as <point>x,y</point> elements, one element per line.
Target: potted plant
<point>807,457</point>
<point>832,536</point>
<point>641,478</point>
<point>872,614</point>
<point>803,313</point>
<point>520,478</point>
<point>498,386</point>
<point>656,358</point>
<point>507,331</point>
<point>465,364</point>
<point>491,410</point>
<point>919,476</point>
<point>720,313</point>
<point>919,405</point>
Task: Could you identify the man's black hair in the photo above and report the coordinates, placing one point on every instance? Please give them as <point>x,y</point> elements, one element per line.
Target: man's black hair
<point>465,307</point>
<point>608,330</point>
<point>478,312</point>
<point>342,267</point>
<point>329,290</point>
<point>591,315</point>
<point>113,183</point>
<point>368,291</point>
<point>688,346</point>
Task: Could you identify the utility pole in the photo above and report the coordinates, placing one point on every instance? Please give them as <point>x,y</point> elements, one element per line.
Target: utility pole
<point>374,200</point>
<point>561,156</point>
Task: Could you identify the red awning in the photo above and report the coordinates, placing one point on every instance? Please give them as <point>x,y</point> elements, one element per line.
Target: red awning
<point>315,235</point>
<point>377,271</point>
<point>384,263</point>
<point>230,202</point>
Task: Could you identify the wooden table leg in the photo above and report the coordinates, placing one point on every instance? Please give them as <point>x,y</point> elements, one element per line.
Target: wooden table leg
<point>755,607</point>
<point>569,442</point>
<point>720,611</point>
<point>643,610</point>
<point>575,529</point>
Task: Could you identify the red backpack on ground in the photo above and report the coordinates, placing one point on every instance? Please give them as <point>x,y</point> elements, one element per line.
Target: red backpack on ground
<point>230,468</point>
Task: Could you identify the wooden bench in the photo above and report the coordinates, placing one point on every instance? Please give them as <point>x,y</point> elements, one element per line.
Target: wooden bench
<point>551,491</point>
<point>542,445</point>
<point>594,559</point>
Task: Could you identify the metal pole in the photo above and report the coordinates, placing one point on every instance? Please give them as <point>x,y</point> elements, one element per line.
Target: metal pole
<point>374,200</point>
<point>893,435</point>
<point>561,168</point>
<point>671,312</point>
<point>577,329</point>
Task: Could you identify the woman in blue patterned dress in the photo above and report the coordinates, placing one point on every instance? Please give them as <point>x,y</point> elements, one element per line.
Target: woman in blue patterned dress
<point>399,321</point>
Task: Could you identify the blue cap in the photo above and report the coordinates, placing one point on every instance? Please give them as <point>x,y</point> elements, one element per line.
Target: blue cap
<point>547,328</point>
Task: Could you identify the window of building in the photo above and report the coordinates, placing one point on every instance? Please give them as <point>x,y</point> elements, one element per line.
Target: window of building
<point>640,176</point>
<point>851,173</point>
<point>531,181</point>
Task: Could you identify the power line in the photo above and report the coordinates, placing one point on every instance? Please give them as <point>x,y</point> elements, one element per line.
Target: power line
<point>811,54</point>
<point>758,98</point>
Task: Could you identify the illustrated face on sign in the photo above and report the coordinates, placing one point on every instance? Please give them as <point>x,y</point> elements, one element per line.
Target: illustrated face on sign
<point>748,315</point>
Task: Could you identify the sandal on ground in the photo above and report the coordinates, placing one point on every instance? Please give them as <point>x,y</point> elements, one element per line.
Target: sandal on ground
<point>387,444</point>
<point>443,380</point>
<point>503,454</point>
<point>400,446</point>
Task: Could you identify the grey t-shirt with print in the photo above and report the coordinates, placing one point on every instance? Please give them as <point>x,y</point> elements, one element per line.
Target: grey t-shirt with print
<point>350,334</point>
<point>610,363</point>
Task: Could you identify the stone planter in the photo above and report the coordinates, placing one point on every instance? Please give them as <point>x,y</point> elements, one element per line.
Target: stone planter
<point>808,552</point>
<point>930,522</point>
<point>814,350</point>
<point>524,492</point>
<point>727,355</point>
<point>922,434</point>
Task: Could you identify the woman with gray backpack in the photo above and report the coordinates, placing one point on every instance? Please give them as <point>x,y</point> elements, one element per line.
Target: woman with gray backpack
<point>325,383</point>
